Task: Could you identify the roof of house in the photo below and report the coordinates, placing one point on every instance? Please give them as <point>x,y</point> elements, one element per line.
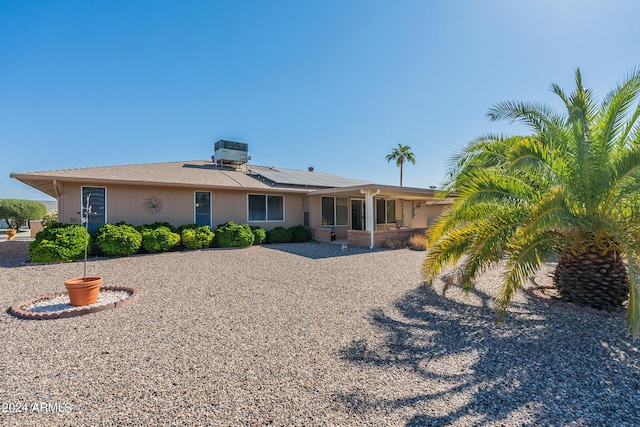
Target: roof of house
<point>195,173</point>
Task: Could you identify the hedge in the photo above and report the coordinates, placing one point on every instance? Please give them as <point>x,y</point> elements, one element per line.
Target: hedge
<point>259,235</point>
<point>279,235</point>
<point>300,234</point>
<point>194,236</point>
<point>59,242</point>
<point>232,235</point>
<point>118,240</point>
<point>159,239</point>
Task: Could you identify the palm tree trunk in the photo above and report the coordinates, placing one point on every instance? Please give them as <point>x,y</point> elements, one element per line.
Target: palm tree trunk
<point>593,280</point>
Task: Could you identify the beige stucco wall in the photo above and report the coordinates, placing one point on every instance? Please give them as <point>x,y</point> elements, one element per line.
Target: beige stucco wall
<point>126,203</point>
<point>420,214</point>
<point>433,212</point>
<point>421,218</point>
<point>315,211</point>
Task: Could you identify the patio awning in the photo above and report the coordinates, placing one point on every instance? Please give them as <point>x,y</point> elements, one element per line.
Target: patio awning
<point>372,191</point>
<point>388,191</point>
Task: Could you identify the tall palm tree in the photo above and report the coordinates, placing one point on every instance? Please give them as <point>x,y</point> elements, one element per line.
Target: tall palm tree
<point>570,190</point>
<point>400,154</point>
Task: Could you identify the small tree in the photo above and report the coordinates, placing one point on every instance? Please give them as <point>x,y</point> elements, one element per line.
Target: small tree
<point>17,211</point>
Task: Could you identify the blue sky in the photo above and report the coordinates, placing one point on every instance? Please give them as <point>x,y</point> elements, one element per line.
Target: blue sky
<point>329,84</point>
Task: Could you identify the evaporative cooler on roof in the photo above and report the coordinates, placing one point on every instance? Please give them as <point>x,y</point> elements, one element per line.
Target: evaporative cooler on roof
<point>231,152</point>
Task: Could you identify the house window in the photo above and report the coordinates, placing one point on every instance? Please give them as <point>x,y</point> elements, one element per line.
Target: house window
<point>342,211</point>
<point>385,211</point>
<point>96,198</point>
<point>335,211</point>
<point>328,211</point>
<point>265,208</point>
<point>305,211</point>
<point>202,208</point>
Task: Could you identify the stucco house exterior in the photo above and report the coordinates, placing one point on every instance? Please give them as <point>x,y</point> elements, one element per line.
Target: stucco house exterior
<point>228,188</point>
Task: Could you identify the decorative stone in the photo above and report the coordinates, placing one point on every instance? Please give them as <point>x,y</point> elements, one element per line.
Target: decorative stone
<point>59,307</point>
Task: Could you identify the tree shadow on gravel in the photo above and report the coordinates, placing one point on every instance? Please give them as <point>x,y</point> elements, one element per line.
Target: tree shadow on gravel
<point>14,253</point>
<point>316,250</point>
<point>543,366</point>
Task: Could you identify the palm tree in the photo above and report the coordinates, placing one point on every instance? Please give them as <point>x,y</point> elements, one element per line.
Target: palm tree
<point>570,190</point>
<point>400,154</point>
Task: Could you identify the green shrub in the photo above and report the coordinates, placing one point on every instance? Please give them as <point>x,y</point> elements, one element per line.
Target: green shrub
<point>159,239</point>
<point>232,235</point>
<point>300,234</point>
<point>279,235</point>
<point>259,235</point>
<point>59,242</point>
<point>155,225</point>
<point>191,226</point>
<point>197,237</point>
<point>118,240</point>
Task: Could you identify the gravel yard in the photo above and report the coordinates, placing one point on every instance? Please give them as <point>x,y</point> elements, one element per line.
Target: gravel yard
<point>303,334</point>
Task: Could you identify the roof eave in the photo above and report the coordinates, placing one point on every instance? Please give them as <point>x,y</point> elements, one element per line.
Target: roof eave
<point>390,190</point>
<point>45,183</point>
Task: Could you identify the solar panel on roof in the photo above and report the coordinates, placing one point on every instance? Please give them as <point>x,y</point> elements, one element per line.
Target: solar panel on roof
<point>304,178</point>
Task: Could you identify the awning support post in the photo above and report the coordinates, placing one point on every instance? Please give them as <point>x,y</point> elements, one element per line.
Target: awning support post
<point>369,209</point>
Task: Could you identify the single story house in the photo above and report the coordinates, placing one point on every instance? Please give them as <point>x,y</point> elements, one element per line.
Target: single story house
<point>228,188</point>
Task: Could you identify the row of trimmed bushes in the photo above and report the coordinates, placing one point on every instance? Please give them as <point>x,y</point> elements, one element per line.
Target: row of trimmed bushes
<point>66,242</point>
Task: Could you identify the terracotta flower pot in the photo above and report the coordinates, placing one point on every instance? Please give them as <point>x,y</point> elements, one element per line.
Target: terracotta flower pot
<point>10,234</point>
<point>83,291</point>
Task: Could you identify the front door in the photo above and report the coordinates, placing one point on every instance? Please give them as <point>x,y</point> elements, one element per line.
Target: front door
<point>96,209</point>
<point>357,214</point>
<point>202,208</point>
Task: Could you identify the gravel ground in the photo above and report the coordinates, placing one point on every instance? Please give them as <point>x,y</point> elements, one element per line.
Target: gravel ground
<point>303,334</point>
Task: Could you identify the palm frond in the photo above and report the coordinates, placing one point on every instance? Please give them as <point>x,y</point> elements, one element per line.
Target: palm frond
<point>487,248</point>
<point>482,152</point>
<point>525,257</point>
<point>630,132</point>
<point>537,156</point>
<point>624,169</point>
<point>460,213</point>
<point>633,309</point>
<point>561,94</point>
<point>628,233</point>
<point>481,241</point>
<point>450,248</point>
<point>539,117</point>
<point>496,186</point>
<point>551,212</point>
<point>613,112</point>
